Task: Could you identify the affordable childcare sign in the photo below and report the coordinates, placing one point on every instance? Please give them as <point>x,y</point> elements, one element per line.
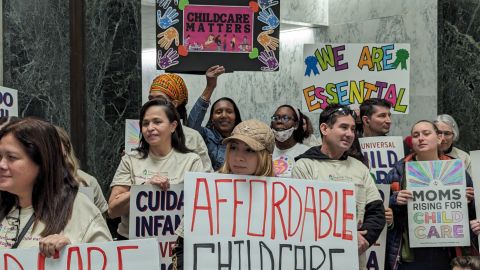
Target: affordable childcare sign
<point>438,212</point>
<point>251,222</point>
<point>348,74</point>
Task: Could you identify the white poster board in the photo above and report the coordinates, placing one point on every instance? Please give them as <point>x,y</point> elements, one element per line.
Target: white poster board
<point>438,212</point>
<point>156,214</point>
<point>382,153</point>
<point>8,102</point>
<point>251,222</point>
<point>132,134</point>
<point>475,156</point>
<point>348,74</point>
<point>376,253</point>
<point>126,255</point>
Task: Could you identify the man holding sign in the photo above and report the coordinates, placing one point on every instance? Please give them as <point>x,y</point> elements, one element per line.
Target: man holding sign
<point>330,163</point>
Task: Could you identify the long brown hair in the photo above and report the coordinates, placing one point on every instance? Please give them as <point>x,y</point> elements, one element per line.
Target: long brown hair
<point>55,189</point>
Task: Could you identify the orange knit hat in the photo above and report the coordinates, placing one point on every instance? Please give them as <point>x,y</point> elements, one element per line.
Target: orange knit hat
<point>171,85</point>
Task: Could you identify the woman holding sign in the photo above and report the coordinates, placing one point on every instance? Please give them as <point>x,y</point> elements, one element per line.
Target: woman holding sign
<point>249,152</point>
<point>40,205</point>
<point>161,159</point>
<point>425,141</point>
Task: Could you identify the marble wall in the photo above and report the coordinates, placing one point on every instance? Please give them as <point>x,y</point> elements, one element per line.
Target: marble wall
<point>459,67</point>
<point>258,94</point>
<point>113,75</point>
<point>36,57</point>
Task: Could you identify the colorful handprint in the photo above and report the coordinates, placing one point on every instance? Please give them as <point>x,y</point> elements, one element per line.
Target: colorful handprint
<point>168,19</point>
<point>167,37</point>
<point>166,3</point>
<point>268,17</point>
<point>264,4</point>
<point>168,59</point>
<point>268,42</point>
<point>269,60</point>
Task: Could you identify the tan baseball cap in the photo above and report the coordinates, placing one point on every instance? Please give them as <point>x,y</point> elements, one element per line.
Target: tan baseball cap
<point>255,134</point>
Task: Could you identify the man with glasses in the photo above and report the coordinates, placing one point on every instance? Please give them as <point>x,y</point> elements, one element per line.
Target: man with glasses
<point>287,126</point>
<point>329,162</point>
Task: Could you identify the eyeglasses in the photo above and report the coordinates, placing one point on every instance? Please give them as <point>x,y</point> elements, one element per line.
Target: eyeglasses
<point>343,110</point>
<point>282,118</point>
<point>445,133</point>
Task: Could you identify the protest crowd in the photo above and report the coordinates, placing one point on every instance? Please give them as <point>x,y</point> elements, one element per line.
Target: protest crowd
<point>40,179</point>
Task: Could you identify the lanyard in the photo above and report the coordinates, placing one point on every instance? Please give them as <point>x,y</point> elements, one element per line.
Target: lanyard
<point>24,231</point>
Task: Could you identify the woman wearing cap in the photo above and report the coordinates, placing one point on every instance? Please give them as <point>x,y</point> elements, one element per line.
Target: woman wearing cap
<point>172,87</point>
<point>448,130</point>
<point>399,255</point>
<point>287,125</point>
<point>161,159</point>
<point>40,205</point>
<point>248,152</point>
<point>224,116</point>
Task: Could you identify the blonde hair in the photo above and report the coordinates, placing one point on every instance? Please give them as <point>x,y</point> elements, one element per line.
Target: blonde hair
<point>70,158</point>
<point>264,166</point>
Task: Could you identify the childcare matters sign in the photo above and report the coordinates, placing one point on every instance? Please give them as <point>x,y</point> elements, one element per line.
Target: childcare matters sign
<point>8,102</point>
<point>194,35</point>
<point>382,153</point>
<point>348,74</point>
<point>126,255</point>
<point>156,214</point>
<point>438,212</point>
<point>251,222</point>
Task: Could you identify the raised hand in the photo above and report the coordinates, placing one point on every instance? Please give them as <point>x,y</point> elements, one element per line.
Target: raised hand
<point>269,60</point>
<point>168,19</point>
<point>268,42</point>
<point>212,75</point>
<point>167,60</point>
<point>167,37</point>
<point>268,17</point>
<point>264,4</point>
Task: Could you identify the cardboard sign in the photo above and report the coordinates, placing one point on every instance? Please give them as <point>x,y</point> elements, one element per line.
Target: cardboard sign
<point>156,214</point>
<point>251,222</point>
<point>8,102</point>
<point>382,153</point>
<point>197,34</point>
<point>132,134</point>
<point>438,212</point>
<point>475,156</point>
<point>348,74</point>
<point>126,255</point>
<point>376,253</point>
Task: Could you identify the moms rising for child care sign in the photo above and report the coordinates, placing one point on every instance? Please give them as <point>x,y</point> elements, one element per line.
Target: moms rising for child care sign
<point>252,222</point>
<point>348,74</point>
<point>438,213</point>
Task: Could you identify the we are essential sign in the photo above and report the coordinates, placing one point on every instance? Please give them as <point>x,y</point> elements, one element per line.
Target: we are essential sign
<point>250,222</point>
<point>155,213</point>
<point>348,74</point>
<point>438,212</point>
<point>126,255</point>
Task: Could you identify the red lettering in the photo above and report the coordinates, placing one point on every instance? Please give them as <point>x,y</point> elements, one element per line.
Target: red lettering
<point>218,200</point>
<point>41,260</point>
<point>236,202</point>
<point>312,210</point>
<point>119,254</point>
<point>79,258</point>
<point>335,217</point>
<point>264,207</point>
<point>325,211</point>
<point>172,245</point>
<point>6,256</point>
<point>89,257</point>
<point>347,234</point>
<point>208,207</point>
<point>163,248</point>
<point>300,207</point>
<point>276,204</point>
